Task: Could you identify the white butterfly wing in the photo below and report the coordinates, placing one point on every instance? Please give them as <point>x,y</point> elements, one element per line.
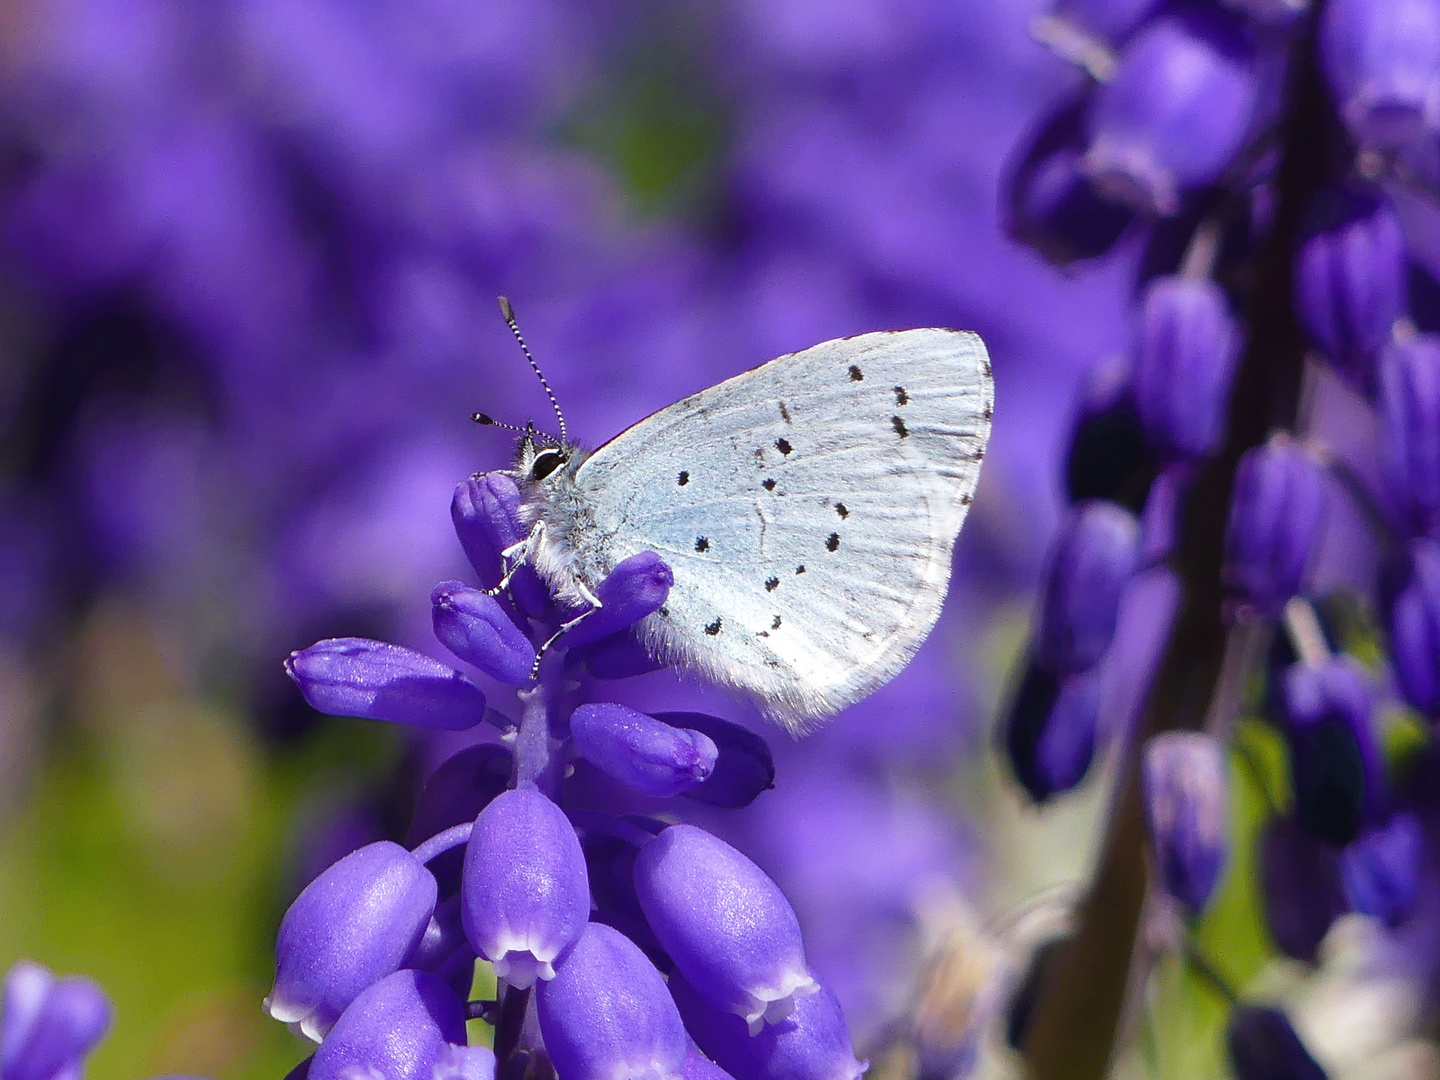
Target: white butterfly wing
<point>808,509</point>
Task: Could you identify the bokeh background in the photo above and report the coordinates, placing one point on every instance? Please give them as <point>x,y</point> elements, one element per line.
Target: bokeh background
<point>249,254</point>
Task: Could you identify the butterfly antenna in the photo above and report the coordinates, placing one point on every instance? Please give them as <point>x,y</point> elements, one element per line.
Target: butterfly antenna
<point>487,420</point>
<point>508,314</point>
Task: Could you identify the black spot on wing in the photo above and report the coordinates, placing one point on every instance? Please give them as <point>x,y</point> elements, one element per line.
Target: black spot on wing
<point>771,584</point>
<point>714,628</point>
<point>833,542</point>
<point>785,413</point>
<point>841,510</point>
<point>901,397</point>
<point>899,426</point>
<point>989,411</point>
<point>855,373</point>
<point>776,624</point>
<point>966,500</point>
<point>800,569</point>
<point>768,484</point>
<point>702,543</point>
<point>684,477</point>
<point>783,445</point>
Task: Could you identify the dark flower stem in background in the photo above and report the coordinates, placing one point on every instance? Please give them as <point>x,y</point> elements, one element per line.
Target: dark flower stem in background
<point>1073,1032</point>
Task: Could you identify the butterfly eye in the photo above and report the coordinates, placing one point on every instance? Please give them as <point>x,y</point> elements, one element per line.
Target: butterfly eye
<point>546,462</point>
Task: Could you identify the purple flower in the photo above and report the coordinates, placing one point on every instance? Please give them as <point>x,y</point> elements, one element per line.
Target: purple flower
<point>1176,111</point>
<point>1300,880</point>
<point>1408,405</point>
<point>1187,810</point>
<point>357,922</point>
<point>607,1012</point>
<point>1350,282</point>
<point>1084,31</point>
<point>1188,346</point>
<point>380,681</point>
<point>1277,514</point>
<point>1410,601</point>
<point>1095,554</point>
<point>48,1025</point>
<point>812,1043</point>
<point>1263,1046</point>
<point>696,1066</point>
<point>1049,202</point>
<point>744,768</point>
<point>1051,730</point>
<point>619,656</point>
<point>477,629</point>
<point>636,587</point>
<point>1336,766</point>
<point>525,894</point>
<point>486,514</point>
<point>728,927</point>
<point>644,754</point>
<point>1381,869</point>
<point>1382,61</point>
<point>400,1028</point>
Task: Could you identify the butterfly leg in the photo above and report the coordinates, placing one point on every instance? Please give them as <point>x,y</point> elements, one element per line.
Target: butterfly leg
<point>570,625</point>
<point>517,555</point>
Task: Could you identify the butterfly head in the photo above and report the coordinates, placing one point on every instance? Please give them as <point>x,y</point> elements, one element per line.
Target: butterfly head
<point>543,460</point>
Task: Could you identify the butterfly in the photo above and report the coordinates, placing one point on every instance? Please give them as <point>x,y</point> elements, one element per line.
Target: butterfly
<point>807,509</point>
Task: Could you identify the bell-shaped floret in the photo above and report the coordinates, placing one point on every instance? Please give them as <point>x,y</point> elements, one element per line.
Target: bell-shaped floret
<point>607,1013</point>
<point>486,513</point>
<point>380,681</point>
<point>727,926</point>
<point>744,768</point>
<point>1051,730</point>
<point>1410,600</point>
<point>360,920</point>
<point>474,626</point>
<point>644,754</point>
<point>637,587</point>
<point>524,894</point>
<point>401,1028</point>
<point>1382,61</point>
<point>1408,407</point>
<point>1276,523</point>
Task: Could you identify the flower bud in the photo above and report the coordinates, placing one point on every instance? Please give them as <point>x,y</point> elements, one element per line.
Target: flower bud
<point>1187,811</point>
<point>1263,1046</point>
<point>744,768</point>
<point>619,656</point>
<point>49,1024</point>
<point>728,927</point>
<point>1382,62</point>
<point>380,681</point>
<point>486,513</point>
<point>1300,880</point>
<point>1408,406</point>
<point>525,895</point>
<point>399,1028</point>
<point>1410,600</point>
<point>1188,347</point>
<point>1350,282</point>
<point>812,1043</point>
<point>459,788</point>
<point>1163,516</point>
<point>1381,870</point>
<point>1051,730</point>
<point>608,1014</point>
<point>1336,766</point>
<point>644,754</point>
<point>636,587</point>
<point>1176,111</point>
<point>357,922</point>
<point>1277,516</point>
<point>475,628</point>
<point>1050,205</point>
<point>1095,554</point>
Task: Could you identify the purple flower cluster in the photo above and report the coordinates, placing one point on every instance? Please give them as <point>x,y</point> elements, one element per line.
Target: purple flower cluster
<point>1270,167</point>
<point>636,940</point>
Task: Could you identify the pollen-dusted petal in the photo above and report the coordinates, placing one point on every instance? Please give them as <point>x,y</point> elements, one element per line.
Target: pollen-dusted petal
<point>524,893</point>
<point>728,927</point>
<point>811,1043</point>
<point>607,1014</point>
<point>380,681</point>
<point>473,626</point>
<point>360,920</point>
<point>398,1029</point>
<point>641,752</point>
<point>637,587</point>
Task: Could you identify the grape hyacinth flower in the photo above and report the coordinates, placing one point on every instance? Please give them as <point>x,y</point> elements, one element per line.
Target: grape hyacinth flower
<point>574,910</point>
<point>47,1025</point>
<point>1186,810</point>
